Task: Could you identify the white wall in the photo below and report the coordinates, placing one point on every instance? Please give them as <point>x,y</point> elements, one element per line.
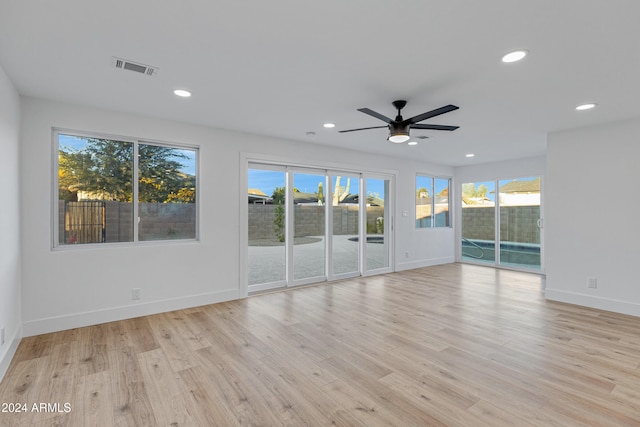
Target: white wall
<point>429,246</point>
<point>70,288</point>
<point>520,168</point>
<point>10,301</point>
<point>592,216</point>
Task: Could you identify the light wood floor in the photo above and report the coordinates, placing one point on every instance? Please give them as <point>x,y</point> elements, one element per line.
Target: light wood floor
<point>455,345</point>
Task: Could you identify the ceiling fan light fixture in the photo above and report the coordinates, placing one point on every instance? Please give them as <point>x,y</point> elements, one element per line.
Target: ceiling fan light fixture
<point>398,137</point>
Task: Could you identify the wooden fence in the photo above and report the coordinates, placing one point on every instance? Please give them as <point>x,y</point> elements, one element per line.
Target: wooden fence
<point>84,222</point>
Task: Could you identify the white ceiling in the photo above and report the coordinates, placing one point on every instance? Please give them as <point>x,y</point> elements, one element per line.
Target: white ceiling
<point>284,67</point>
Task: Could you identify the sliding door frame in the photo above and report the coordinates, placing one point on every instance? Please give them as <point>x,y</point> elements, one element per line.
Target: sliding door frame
<point>329,170</point>
<point>497,218</point>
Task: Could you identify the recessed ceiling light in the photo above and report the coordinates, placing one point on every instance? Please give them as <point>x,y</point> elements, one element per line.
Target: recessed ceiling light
<point>412,143</point>
<point>514,56</point>
<point>588,106</point>
<point>329,125</point>
<point>469,155</point>
<point>182,93</point>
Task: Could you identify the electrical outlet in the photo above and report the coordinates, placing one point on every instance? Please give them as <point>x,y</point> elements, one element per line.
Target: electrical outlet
<point>592,282</point>
<point>135,293</point>
<point>2,336</point>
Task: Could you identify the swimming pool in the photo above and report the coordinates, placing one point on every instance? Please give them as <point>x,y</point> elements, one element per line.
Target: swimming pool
<point>513,254</point>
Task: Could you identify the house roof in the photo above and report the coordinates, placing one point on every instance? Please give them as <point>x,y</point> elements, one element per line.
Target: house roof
<point>256,192</point>
<point>529,186</point>
<point>257,196</point>
<point>283,68</point>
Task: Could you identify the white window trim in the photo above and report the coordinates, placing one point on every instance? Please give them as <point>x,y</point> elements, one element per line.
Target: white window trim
<point>55,236</point>
<point>433,190</point>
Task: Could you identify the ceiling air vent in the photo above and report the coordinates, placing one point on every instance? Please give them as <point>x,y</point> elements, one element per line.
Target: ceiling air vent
<point>125,64</point>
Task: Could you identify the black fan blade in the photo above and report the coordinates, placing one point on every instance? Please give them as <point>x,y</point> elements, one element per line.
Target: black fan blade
<point>434,127</point>
<point>353,130</point>
<point>432,113</point>
<point>375,114</point>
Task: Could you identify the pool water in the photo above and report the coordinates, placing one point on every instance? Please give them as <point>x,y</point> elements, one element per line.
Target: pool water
<point>513,254</point>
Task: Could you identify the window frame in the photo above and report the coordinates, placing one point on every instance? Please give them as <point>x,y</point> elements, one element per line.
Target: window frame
<point>432,188</point>
<point>136,142</point>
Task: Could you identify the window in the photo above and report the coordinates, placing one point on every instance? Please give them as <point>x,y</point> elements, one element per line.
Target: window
<point>98,180</point>
<point>500,222</point>
<point>432,202</point>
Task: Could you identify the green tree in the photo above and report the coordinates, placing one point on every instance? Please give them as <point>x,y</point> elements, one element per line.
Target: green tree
<point>482,191</point>
<point>469,189</point>
<point>420,191</point>
<point>160,176</point>
<point>103,170</point>
<point>278,197</point>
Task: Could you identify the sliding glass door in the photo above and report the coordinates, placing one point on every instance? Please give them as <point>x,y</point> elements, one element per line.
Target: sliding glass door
<point>309,216</point>
<point>266,255</point>
<point>310,225</point>
<point>479,221</point>
<point>512,219</point>
<point>345,225</point>
<point>377,249</point>
<point>519,202</point>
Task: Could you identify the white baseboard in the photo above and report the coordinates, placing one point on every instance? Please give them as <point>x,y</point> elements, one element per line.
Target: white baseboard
<point>78,320</point>
<point>5,361</point>
<point>591,301</point>
<point>401,266</point>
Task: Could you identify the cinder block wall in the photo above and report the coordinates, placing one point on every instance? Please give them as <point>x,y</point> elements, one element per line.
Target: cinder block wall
<point>517,223</point>
<point>309,220</point>
<point>158,221</point>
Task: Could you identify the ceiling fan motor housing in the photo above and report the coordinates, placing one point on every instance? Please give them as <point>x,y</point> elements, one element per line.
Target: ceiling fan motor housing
<point>399,128</point>
<point>398,132</point>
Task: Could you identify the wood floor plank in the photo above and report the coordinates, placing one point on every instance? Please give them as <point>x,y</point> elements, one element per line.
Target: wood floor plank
<point>454,345</point>
<point>202,392</point>
<point>163,389</point>
<point>93,404</point>
<point>235,389</point>
<point>441,403</point>
<point>500,415</point>
<point>130,400</point>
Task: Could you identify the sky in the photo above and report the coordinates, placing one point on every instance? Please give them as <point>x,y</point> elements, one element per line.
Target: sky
<point>78,143</point>
<point>440,184</point>
<point>491,185</point>
<point>267,181</point>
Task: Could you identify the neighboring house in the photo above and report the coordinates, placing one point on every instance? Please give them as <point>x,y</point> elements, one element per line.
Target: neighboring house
<point>258,197</point>
<point>520,193</point>
<point>93,195</point>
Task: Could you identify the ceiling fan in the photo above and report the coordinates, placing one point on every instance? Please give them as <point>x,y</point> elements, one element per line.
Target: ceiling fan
<point>399,128</point>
